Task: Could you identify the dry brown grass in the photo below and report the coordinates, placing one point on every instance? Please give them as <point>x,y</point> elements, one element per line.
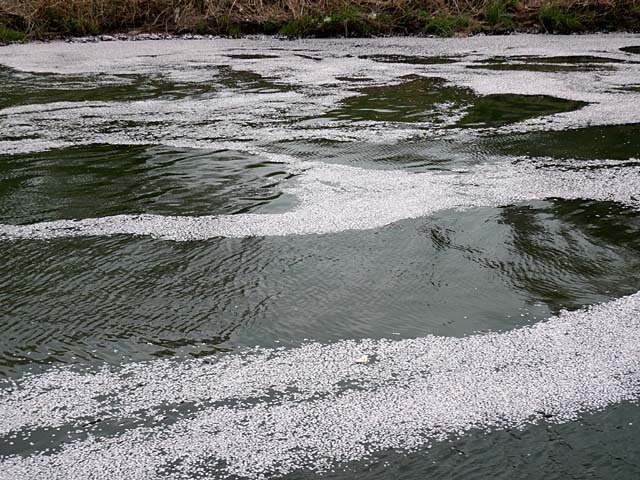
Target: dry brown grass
<point>81,17</point>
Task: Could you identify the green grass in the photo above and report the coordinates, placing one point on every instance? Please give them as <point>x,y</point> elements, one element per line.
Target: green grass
<point>499,15</point>
<point>300,27</point>
<point>79,28</point>
<point>345,22</point>
<point>326,18</point>
<point>9,35</point>
<point>446,25</point>
<point>354,22</point>
<point>555,19</point>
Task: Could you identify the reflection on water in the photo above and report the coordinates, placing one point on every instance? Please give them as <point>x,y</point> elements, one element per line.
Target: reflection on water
<point>566,259</point>
<point>102,299</point>
<point>414,100</point>
<point>418,156</point>
<point>101,180</point>
<point>27,89</point>
<point>569,59</point>
<point>498,110</point>
<point>615,142</point>
<point>432,99</point>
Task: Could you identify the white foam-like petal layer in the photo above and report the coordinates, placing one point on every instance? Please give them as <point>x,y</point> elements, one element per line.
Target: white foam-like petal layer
<point>335,198</point>
<point>312,78</point>
<point>276,411</point>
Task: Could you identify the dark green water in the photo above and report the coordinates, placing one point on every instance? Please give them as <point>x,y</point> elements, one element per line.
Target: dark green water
<point>417,99</point>
<point>91,301</point>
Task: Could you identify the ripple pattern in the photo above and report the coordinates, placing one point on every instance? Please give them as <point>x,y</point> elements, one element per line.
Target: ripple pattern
<point>334,198</point>
<point>271,412</point>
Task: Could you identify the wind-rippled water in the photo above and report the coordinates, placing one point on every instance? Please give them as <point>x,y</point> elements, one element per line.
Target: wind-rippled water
<point>320,259</point>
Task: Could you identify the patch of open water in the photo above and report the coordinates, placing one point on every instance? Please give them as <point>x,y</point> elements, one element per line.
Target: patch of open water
<point>201,238</point>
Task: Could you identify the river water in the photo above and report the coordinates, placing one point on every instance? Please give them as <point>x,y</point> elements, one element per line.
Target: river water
<point>320,258</point>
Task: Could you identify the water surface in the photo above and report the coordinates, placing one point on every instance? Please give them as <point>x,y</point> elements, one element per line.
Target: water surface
<point>199,239</point>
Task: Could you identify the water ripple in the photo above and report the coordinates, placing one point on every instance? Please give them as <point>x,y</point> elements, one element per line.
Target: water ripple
<point>269,412</point>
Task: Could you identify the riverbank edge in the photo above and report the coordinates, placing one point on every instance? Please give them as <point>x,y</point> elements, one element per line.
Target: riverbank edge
<point>350,19</point>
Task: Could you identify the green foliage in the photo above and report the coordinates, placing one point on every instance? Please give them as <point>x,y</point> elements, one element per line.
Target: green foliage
<point>58,21</point>
<point>348,22</point>
<point>233,30</point>
<point>270,28</point>
<point>219,26</point>
<point>555,19</point>
<point>332,18</point>
<point>346,14</point>
<point>201,27</point>
<point>9,35</point>
<point>446,25</point>
<point>79,28</point>
<point>499,16</point>
<point>301,27</point>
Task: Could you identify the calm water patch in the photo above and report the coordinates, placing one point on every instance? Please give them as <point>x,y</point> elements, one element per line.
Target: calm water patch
<point>631,49</point>
<point>101,180</point>
<point>431,99</point>
<point>618,142</point>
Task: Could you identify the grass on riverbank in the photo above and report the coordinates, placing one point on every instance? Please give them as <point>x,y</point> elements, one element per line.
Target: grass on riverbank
<point>20,19</point>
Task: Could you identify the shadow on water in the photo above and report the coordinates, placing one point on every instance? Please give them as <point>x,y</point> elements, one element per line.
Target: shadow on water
<point>432,99</point>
